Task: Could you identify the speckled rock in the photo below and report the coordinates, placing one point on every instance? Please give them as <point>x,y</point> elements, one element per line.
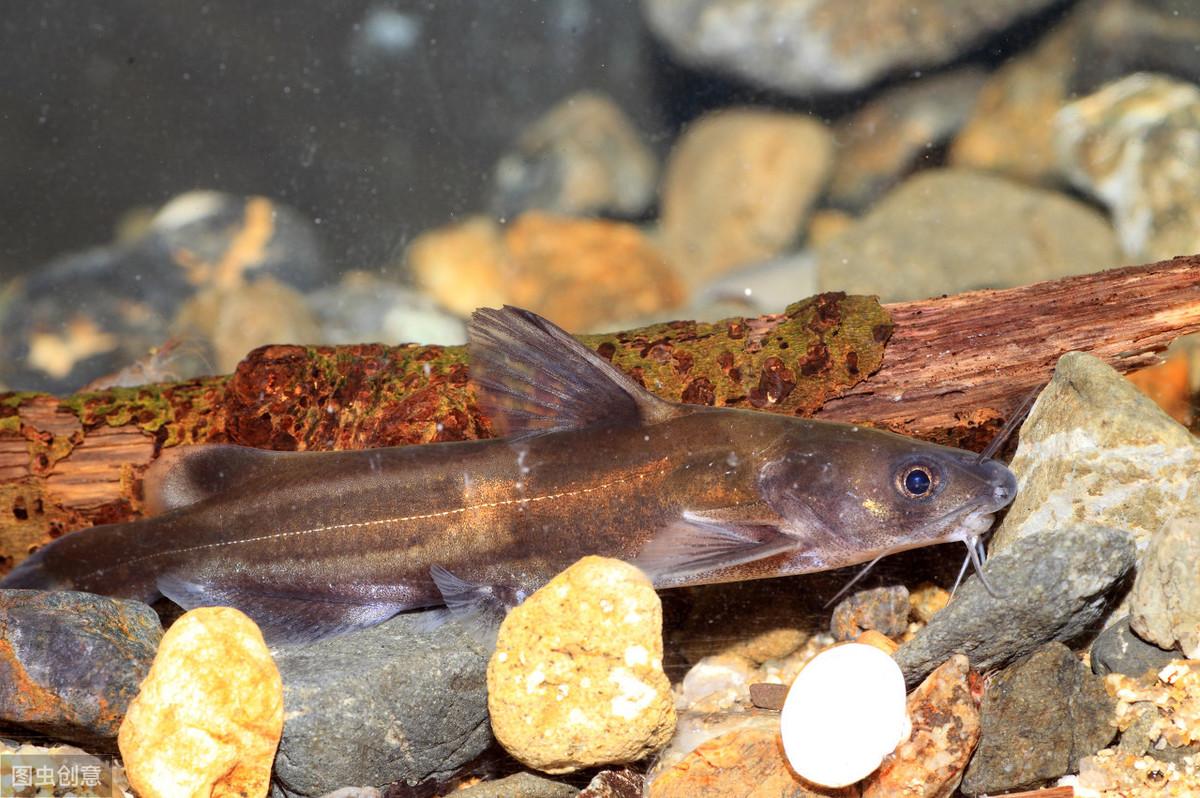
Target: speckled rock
<point>946,230</point>
<point>209,714</point>
<point>579,273</point>
<point>1132,146</point>
<point>1164,704</point>
<point>1054,585</point>
<point>70,662</point>
<point>1165,603</point>
<point>1095,450</point>
<point>944,714</point>
<point>738,188</point>
<point>577,679</point>
<point>626,783</point>
<point>519,785</point>
<point>584,156</point>
<point>395,702</point>
<point>1039,718</point>
<point>879,144</point>
<point>1118,650</point>
<point>811,46</point>
<point>884,609</point>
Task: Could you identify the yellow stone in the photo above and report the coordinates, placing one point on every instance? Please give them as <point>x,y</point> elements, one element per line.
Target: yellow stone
<point>209,715</point>
<point>576,679</point>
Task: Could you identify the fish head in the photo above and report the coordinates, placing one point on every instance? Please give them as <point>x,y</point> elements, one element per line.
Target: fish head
<point>852,494</point>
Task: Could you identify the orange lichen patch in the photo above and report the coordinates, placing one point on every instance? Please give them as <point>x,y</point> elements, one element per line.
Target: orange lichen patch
<point>1169,385</point>
<point>746,763</point>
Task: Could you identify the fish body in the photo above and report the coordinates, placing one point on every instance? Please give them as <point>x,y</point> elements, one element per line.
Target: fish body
<point>309,544</point>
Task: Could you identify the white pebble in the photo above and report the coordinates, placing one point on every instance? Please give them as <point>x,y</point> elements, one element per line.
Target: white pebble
<point>845,712</point>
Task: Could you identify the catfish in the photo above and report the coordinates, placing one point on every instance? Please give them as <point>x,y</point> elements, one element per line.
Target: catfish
<point>311,544</point>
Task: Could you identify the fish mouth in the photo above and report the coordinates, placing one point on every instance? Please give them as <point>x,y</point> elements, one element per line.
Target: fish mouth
<point>975,522</point>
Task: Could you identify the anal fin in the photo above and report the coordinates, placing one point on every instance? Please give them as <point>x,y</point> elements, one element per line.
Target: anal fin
<point>290,617</point>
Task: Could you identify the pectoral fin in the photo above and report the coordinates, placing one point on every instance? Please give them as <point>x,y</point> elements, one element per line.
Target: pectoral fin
<point>290,617</point>
<point>696,544</point>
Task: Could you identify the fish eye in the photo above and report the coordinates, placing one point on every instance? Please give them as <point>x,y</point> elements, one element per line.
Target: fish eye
<point>916,481</point>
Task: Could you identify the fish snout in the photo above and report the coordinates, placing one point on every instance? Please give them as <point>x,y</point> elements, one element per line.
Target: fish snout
<point>1004,483</point>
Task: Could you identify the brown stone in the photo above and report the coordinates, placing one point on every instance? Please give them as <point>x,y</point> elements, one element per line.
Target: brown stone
<point>945,729</point>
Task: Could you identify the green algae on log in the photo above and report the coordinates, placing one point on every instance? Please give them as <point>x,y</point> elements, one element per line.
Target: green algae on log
<point>948,369</point>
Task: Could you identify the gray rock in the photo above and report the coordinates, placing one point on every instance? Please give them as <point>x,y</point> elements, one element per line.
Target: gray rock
<point>1118,650</point>
<point>1096,450</point>
<point>1124,36</point>
<point>584,156</point>
<point>1165,603</point>
<point>813,46</point>
<point>884,609</point>
<point>946,231</point>
<point>879,144</point>
<point>1038,718</point>
<point>363,308</point>
<point>1054,585</point>
<point>524,785</point>
<point>396,702</point>
<point>1132,146</point>
<point>71,662</point>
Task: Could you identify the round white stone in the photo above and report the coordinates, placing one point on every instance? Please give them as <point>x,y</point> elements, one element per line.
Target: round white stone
<point>844,713</point>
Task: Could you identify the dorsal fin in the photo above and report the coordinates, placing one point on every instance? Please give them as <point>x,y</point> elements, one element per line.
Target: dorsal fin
<point>532,377</point>
<point>184,475</point>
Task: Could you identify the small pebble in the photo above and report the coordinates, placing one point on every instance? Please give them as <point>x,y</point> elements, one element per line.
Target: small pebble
<point>210,713</point>
<point>843,714</point>
<point>883,609</point>
<point>1118,650</point>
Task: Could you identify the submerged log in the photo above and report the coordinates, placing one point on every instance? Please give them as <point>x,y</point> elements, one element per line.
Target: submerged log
<point>949,369</point>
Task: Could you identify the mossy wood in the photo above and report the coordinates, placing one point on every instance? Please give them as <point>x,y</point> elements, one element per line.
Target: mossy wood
<point>949,369</point>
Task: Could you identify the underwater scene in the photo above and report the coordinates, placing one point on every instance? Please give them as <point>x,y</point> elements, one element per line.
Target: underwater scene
<point>600,399</point>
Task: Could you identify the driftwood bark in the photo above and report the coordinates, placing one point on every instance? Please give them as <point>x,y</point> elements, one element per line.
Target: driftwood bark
<point>949,369</point>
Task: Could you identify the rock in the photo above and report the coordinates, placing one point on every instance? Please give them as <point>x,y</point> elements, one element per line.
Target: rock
<point>579,273</point>
<point>884,609</point>
<point>576,679</point>
<point>844,713</point>
<point>1124,36</point>
<point>717,683</point>
<point>242,318</point>
<point>926,600</point>
<point>756,290</point>
<point>1168,699</point>
<point>805,47</point>
<point>583,157</point>
<point>209,714</point>
<point>1094,450</point>
<point>363,308</point>
<point>624,783</point>
<point>70,662</point>
<point>222,241</point>
<point>945,728</point>
<point>765,695</point>
<point>1165,603</point>
<point>1011,129</point>
<point>395,702</point>
<point>1039,718</point>
<point>1119,775</point>
<point>894,132</point>
<point>746,763</point>
<point>1053,586</point>
<point>738,187</point>
<point>519,785</point>
<point>1132,146</point>
<point>915,242</point>
<point>1118,650</point>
